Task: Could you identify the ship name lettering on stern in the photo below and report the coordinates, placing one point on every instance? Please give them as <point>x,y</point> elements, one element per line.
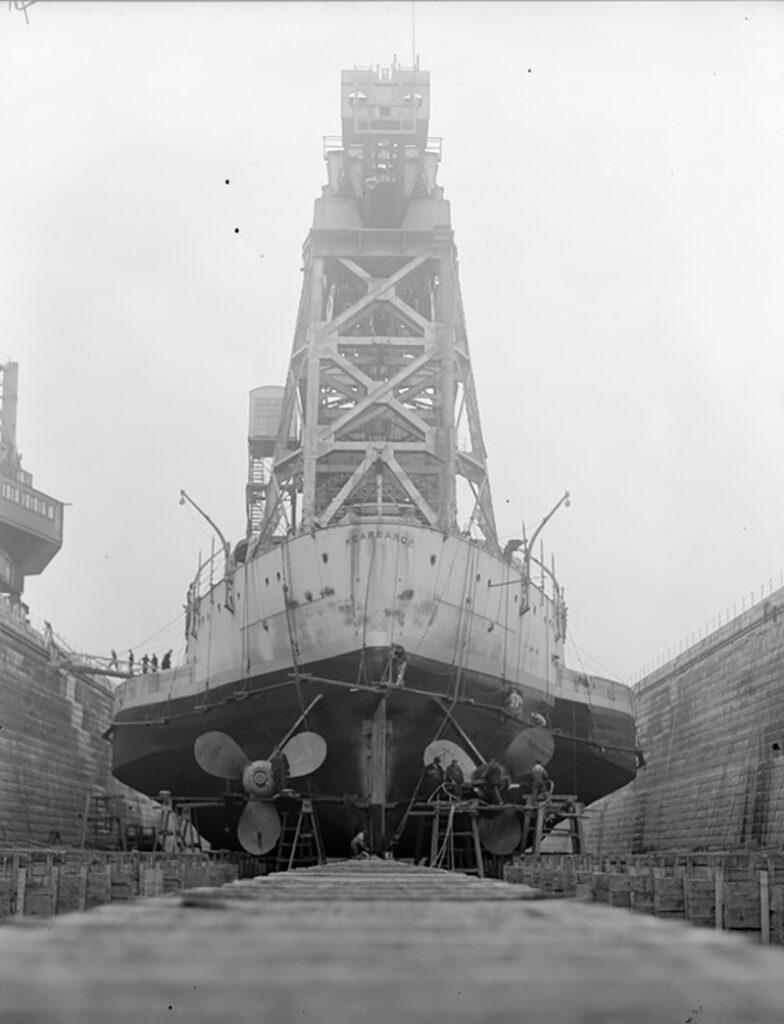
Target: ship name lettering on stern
<point>402,538</point>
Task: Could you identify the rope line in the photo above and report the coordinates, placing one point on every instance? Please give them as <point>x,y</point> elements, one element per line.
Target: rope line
<point>363,647</point>
<point>284,554</point>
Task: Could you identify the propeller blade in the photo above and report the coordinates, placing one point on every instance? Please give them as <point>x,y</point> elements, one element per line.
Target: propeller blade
<point>305,752</point>
<point>258,829</point>
<point>218,754</point>
<point>501,833</point>
<point>528,746</point>
<point>449,751</point>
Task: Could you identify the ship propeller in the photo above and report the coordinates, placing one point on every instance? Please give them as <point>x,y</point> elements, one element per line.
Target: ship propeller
<point>448,751</point>
<point>501,833</point>
<point>258,829</point>
<point>528,747</point>
<point>218,754</point>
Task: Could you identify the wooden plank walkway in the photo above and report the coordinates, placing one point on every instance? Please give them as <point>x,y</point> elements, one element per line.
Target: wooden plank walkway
<point>380,942</point>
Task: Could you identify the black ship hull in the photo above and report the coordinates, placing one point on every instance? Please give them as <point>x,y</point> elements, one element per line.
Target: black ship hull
<point>153,745</point>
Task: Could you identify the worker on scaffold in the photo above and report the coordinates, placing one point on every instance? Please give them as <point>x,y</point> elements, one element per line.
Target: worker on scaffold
<point>514,703</point>
<point>398,663</point>
<point>433,778</point>
<point>454,779</point>
<point>539,780</point>
<point>279,764</point>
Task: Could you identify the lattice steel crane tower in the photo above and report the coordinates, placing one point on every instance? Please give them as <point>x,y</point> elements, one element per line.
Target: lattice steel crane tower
<point>31,522</point>
<point>380,380</point>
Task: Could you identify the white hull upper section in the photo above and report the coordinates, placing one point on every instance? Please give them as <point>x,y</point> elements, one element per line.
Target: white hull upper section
<point>372,584</point>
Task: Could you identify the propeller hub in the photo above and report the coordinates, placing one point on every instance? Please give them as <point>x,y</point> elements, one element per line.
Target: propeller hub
<point>258,778</point>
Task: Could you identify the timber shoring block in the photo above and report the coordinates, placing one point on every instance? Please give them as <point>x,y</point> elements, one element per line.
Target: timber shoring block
<point>742,886</point>
<point>7,896</point>
<point>777,914</point>
<point>741,906</point>
<point>43,883</point>
<point>668,897</point>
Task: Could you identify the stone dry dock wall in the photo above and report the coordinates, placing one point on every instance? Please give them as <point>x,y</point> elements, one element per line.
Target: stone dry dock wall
<point>711,726</point>
<point>52,752</point>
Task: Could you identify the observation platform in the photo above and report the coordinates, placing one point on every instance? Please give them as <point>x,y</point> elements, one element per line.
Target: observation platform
<point>383,942</point>
<point>31,524</point>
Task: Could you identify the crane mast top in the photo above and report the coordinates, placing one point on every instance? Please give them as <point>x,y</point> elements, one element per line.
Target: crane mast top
<point>384,114</point>
<point>379,414</point>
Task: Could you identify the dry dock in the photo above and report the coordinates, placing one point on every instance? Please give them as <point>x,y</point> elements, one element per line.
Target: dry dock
<point>378,941</point>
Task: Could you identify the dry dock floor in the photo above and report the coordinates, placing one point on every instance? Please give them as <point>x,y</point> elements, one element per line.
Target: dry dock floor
<point>380,942</point>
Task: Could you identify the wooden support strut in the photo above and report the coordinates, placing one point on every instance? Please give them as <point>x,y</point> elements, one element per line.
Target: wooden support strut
<point>378,776</point>
<point>764,891</point>
<point>719,899</point>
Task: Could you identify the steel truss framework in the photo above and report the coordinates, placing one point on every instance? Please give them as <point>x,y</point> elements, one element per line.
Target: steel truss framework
<point>379,385</point>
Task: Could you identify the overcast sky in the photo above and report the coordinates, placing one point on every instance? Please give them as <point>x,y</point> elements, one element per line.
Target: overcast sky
<point>615,176</point>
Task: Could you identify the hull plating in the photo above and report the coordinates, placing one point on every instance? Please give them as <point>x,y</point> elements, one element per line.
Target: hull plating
<point>153,742</point>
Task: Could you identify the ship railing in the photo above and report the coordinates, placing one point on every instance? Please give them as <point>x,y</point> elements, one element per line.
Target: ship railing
<point>433,146</point>
<point>543,584</point>
<point>543,577</point>
<point>60,651</point>
<point>383,72</point>
<point>386,510</point>
<point>63,654</point>
<point>209,573</point>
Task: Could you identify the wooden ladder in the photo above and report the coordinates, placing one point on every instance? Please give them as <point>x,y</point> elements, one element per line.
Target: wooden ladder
<point>103,823</point>
<point>175,830</point>
<point>566,808</point>
<point>300,843</point>
<point>454,839</point>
